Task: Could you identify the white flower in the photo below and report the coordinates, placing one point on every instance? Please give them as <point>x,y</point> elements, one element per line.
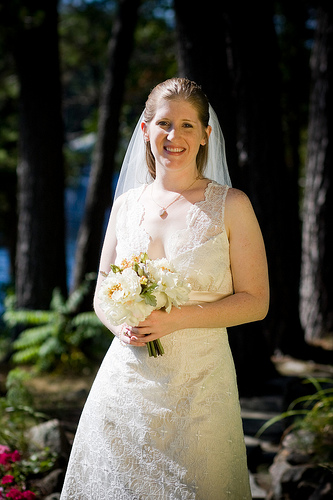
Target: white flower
<point>120,298</point>
<point>126,296</point>
<point>174,290</point>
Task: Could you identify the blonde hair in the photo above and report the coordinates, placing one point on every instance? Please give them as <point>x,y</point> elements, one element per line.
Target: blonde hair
<point>183,89</point>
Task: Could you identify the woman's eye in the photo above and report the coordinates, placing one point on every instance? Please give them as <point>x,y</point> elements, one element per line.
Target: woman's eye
<point>188,125</point>
<point>162,123</point>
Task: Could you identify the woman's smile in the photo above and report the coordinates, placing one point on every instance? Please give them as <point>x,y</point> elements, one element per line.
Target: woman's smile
<point>175,134</point>
<point>173,150</point>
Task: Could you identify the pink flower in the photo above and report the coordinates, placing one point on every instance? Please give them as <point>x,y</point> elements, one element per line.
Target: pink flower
<point>15,456</point>
<point>5,458</point>
<point>7,479</point>
<point>15,494</point>
<point>29,495</point>
<point>3,449</point>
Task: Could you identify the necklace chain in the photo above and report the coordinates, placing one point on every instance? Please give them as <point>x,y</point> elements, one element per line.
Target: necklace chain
<point>163,212</point>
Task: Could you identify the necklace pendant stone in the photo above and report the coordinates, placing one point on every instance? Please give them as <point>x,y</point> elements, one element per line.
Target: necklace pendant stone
<point>163,213</point>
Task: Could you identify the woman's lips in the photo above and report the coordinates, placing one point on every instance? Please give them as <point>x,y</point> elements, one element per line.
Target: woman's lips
<point>170,149</point>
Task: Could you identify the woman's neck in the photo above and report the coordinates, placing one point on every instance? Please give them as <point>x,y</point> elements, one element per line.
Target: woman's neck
<point>175,181</point>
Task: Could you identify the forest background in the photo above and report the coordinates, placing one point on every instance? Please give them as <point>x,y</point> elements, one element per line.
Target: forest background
<point>74,79</point>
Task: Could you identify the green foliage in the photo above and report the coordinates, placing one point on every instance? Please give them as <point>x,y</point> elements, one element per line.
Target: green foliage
<point>313,425</point>
<point>61,337</point>
<point>16,410</point>
<point>16,417</point>
<point>84,31</point>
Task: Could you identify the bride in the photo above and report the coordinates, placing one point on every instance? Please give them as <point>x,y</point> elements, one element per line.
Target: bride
<point>170,427</point>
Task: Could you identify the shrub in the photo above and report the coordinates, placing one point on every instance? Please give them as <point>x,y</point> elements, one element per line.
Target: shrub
<point>60,336</point>
<point>17,465</point>
<point>313,425</point>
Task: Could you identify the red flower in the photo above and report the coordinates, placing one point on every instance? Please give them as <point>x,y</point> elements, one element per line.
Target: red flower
<point>7,479</point>
<point>29,495</point>
<point>15,456</point>
<point>5,458</point>
<point>15,494</point>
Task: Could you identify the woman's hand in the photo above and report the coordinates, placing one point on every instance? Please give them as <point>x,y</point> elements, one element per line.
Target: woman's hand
<point>157,325</point>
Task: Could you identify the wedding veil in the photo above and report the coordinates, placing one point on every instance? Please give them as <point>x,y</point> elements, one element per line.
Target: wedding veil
<point>134,170</point>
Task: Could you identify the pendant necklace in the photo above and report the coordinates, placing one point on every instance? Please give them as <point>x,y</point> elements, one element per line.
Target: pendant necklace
<point>163,212</point>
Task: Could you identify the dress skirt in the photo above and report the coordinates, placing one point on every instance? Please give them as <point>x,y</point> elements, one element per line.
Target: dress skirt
<point>162,428</point>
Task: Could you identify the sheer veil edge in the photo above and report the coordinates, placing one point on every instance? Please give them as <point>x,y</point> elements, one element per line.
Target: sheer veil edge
<point>134,172</point>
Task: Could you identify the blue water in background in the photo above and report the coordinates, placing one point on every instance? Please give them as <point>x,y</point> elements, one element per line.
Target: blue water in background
<point>75,195</point>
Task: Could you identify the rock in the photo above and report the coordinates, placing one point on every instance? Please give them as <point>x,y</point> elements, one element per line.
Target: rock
<point>277,469</point>
<point>51,483</point>
<point>324,490</point>
<point>49,435</point>
<point>298,482</point>
<point>256,491</point>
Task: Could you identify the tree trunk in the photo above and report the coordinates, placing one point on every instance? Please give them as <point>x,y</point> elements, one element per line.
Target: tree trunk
<point>272,188</point>
<point>240,53</point>
<point>40,260</point>
<point>316,291</point>
<point>204,56</point>
<point>99,188</point>
<point>213,65</point>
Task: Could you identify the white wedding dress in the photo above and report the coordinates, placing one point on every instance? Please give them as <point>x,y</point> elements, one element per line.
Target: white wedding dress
<point>167,428</point>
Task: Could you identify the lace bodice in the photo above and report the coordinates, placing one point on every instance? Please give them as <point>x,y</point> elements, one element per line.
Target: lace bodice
<point>188,248</point>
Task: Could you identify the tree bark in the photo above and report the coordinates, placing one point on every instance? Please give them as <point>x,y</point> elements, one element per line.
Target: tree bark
<point>272,188</point>
<point>99,189</point>
<point>316,291</point>
<point>213,64</point>
<point>234,51</point>
<point>40,258</point>
<point>204,55</point>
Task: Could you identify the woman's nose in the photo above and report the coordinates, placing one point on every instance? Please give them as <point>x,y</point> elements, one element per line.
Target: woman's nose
<point>172,133</point>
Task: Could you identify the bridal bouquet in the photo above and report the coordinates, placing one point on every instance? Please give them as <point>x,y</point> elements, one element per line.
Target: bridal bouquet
<point>132,291</point>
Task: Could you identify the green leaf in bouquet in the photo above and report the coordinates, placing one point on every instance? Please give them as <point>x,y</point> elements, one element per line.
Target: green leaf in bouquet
<point>115,269</point>
<point>150,299</point>
<point>136,268</point>
<point>149,288</point>
<point>143,257</point>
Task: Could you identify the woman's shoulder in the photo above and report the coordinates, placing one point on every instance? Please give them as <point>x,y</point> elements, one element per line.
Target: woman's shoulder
<point>131,194</point>
<point>237,198</point>
<point>216,193</point>
<point>238,208</point>
<point>234,197</point>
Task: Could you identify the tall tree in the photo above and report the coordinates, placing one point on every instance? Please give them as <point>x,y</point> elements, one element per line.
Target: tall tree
<point>233,50</point>
<point>40,261</point>
<point>204,55</point>
<point>208,45</point>
<point>99,188</point>
<point>272,188</point>
<point>316,291</point>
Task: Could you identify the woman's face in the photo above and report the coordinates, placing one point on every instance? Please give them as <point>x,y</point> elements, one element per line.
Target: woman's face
<point>175,134</point>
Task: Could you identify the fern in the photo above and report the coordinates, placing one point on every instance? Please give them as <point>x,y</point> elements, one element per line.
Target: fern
<point>26,356</point>
<point>33,336</point>
<point>86,319</point>
<point>59,335</point>
<point>13,318</point>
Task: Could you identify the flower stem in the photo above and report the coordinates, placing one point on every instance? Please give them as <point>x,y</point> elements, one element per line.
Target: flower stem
<point>155,348</point>
<point>159,347</point>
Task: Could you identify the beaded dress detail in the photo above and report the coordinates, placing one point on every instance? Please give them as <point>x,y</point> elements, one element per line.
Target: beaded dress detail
<point>167,428</point>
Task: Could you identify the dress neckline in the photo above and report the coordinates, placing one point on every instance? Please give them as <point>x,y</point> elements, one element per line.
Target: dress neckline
<point>206,193</point>
<point>191,215</point>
